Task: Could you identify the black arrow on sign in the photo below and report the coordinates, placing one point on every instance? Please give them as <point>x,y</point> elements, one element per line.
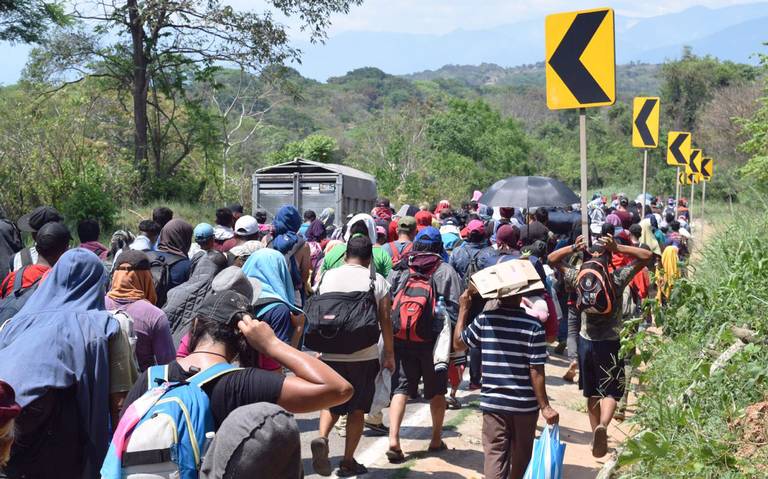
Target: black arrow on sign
<point>705,166</point>
<point>566,63</point>
<point>642,122</point>
<point>675,149</point>
<point>692,164</point>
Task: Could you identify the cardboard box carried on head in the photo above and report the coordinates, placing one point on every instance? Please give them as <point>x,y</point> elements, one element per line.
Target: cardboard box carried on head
<point>506,279</point>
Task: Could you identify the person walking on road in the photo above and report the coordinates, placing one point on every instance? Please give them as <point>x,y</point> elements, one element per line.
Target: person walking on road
<point>514,389</point>
<point>359,368</point>
<point>599,290</point>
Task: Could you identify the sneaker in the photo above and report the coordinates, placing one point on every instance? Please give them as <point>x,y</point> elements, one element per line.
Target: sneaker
<point>379,428</point>
<point>320,462</point>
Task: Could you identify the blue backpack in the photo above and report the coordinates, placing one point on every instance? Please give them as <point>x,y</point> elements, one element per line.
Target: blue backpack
<point>163,433</point>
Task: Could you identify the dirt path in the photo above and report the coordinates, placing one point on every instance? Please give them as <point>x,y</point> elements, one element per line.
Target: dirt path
<point>464,459</point>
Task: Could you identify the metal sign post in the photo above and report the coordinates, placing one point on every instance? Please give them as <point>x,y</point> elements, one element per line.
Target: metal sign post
<point>677,193</point>
<point>690,208</point>
<point>583,155</point>
<point>645,178</point>
<point>703,197</point>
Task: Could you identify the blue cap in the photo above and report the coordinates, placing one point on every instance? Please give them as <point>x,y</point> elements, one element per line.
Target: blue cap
<point>429,235</point>
<point>203,232</point>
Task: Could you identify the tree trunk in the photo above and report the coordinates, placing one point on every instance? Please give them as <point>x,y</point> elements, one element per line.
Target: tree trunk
<point>139,88</point>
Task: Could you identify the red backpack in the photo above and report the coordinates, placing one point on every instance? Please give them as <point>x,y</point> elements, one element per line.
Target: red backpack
<point>396,254</point>
<point>413,309</point>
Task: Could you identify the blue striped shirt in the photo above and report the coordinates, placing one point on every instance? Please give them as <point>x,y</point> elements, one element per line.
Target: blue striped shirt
<point>511,341</point>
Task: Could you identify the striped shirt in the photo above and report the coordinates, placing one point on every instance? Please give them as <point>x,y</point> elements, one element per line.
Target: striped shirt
<point>510,341</point>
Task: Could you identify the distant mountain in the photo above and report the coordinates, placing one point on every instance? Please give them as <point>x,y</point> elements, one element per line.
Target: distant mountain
<point>634,79</point>
<point>731,33</point>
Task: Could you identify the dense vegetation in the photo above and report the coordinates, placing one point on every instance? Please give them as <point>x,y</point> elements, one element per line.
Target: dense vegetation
<point>691,422</point>
<point>70,136</point>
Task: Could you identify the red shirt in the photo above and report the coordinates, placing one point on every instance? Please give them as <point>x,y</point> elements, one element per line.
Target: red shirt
<point>31,274</point>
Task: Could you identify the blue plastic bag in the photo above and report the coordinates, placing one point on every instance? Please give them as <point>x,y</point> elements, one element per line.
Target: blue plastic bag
<point>547,458</point>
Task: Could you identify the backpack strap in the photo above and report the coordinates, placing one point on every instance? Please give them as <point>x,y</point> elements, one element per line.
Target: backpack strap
<point>215,371</point>
<point>26,257</point>
<point>154,373</point>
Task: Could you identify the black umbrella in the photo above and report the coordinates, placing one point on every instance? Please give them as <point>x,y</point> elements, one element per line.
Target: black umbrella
<point>528,192</point>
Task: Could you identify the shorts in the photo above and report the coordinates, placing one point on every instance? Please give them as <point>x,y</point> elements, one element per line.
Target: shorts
<point>362,376</point>
<point>601,370</point>
<point>413,364</point>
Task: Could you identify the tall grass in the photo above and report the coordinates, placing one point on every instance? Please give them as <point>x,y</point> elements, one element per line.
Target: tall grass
<point>130,217</point>
<point>696,435</point>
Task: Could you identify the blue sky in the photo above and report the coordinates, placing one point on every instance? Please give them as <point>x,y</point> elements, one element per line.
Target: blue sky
<point>442,16</point>
<point>433,17</point>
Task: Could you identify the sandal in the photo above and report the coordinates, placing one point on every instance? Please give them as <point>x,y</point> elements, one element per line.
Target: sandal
<point>453,403</point>
<point>600,441</point>
<point>351,469</point>
<point>441,447</point>
<point>320,462</point>
<point>570,375</point>
<point>395,456</point>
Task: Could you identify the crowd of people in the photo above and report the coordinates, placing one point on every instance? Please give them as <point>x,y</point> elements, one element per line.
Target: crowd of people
<point>104,349</point>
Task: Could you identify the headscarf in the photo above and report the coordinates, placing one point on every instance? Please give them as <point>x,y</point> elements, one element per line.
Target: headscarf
<point>647,237</point>
<point>670,272</point>
<point>370,225</point>
<point>444,204</point>
<point>327,216</point>
<point>613,220</point>
<point>269,267</point>
<point>287,223</point>
<point>316,231</point>
<point>64,331</point>
<point>132,279</point>
<point>257,440</point>
<point>175,238</point>
<point>423,220</point>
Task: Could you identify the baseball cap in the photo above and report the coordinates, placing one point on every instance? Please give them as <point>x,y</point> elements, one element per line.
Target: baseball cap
<point>380,230</point>
<point>407,223</point>
<point>203,232</point>
<point>428,235</point>
<point>9,409</point>
<point>32,222</point>
<point>52,237</point>
<point>246,225</point>
<point>223,306</point>
<point>476,226</point>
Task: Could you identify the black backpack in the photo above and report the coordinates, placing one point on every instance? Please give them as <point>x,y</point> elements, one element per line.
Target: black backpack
<point>342,323</point>
<point>473,266</point>
<point>14,299</point>
<point>595,290</point>
<point>160,267</point>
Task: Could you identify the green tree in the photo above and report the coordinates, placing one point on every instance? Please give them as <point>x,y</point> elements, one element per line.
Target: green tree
<point>756,146</point>
<point>154,50</point>
<point>689,83</point>
<point>321,148</point>
<point>27,21</point>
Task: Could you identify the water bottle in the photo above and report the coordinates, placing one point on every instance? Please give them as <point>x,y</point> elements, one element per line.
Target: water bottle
<point>440,312</point>
<point>441,352</point>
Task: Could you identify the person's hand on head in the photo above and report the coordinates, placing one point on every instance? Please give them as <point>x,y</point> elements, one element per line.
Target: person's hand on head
<point>610,243</point>
<point>580,244</point>
<point>258,334</point>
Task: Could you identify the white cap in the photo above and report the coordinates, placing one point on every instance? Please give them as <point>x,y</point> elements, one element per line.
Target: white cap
<point>246,225</point>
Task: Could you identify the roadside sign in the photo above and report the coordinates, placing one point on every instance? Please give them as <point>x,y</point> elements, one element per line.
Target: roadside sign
<point>645,122</point>
<point>693,167</point>
<point>683,179</point>
<point>678,148</point>
<point>581,59</point>
<point>706,169</point>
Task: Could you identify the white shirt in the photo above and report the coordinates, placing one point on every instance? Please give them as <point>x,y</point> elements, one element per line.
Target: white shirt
<point>350,278</point>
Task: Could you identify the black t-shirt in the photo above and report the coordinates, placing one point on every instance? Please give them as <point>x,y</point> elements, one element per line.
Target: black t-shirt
<point>227,392</point>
